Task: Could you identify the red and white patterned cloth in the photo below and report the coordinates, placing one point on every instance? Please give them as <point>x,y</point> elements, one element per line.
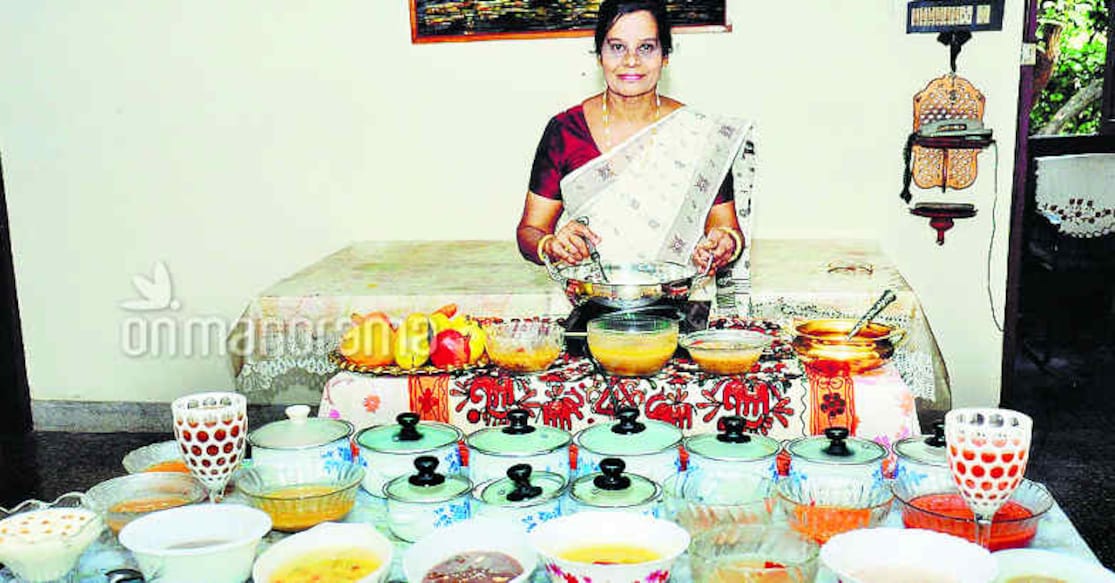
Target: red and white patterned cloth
<point>776,398</point>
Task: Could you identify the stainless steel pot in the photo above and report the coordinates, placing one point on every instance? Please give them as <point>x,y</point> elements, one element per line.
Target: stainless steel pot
<point>629,285</point>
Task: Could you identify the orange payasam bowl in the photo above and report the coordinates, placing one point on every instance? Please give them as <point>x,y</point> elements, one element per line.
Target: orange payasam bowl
<point>823,344</point>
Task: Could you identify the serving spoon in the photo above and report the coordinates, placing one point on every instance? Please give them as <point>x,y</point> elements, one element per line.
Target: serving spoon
<point>883,301</point>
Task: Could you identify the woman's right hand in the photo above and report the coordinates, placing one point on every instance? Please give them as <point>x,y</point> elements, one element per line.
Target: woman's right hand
<point>568,245</point>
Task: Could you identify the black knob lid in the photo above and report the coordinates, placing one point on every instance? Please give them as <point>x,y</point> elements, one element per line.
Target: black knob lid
<point>519,419</point>
<point>524,490</point>
<point>611,476</point>
<point>628,421</point>
<point>836,437</point>
<point>408,430</point>
<point>938,438</point>
<point>733,430</point>
<point>427,475</point>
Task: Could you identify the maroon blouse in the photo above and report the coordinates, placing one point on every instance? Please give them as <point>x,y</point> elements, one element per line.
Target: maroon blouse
<point>567,145</point>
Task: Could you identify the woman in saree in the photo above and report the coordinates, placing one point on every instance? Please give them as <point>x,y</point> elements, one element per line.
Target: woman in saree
<point>651,179</point>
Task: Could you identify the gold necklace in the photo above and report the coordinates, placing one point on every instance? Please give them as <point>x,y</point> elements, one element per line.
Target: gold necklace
<point>608,129</point>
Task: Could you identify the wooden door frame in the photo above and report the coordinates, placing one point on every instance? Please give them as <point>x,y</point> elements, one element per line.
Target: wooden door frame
<point>1026,149</point>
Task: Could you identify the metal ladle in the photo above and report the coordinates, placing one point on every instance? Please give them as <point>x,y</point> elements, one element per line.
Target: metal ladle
<point>593,253</point>
<point>883,301</point>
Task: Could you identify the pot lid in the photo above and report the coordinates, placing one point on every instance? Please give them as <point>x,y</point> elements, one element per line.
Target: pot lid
<point>611,488</point>
<point>628,436</point>
<point>925,449</point>
<point>299,431</point>
<point>408,435</point>
<point>835,447</point>
<point>426,485</point>
<point>518,438</point>
<point>522,487</point>
<point>732,443</point>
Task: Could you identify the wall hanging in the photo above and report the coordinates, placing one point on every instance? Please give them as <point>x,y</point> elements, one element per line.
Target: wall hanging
<point>948,133</point>
<point>468,20</point>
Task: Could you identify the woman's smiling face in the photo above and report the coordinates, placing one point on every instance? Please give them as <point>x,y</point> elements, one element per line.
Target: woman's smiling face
<point>632,56</point>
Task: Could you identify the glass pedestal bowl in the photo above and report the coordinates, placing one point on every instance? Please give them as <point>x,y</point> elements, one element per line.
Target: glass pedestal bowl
<point>42,541</point>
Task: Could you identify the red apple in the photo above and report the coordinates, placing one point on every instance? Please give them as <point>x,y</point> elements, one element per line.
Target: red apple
<point>450,349</point>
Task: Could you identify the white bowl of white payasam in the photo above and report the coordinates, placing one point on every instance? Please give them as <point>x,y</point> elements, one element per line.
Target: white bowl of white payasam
<point>42,541</point>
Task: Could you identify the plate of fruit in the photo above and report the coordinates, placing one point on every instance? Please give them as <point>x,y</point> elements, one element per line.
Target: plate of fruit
<point>441,342</point>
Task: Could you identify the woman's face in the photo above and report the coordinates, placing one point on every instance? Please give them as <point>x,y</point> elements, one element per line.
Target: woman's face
<point>631,56</point>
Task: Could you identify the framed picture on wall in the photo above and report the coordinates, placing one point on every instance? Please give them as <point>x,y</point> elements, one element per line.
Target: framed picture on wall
<point>470,20</point>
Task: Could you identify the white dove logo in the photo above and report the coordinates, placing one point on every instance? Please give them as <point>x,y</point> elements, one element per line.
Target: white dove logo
<point>155,292</point>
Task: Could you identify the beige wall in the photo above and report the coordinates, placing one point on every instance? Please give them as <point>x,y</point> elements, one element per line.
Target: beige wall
<point>238,142</point>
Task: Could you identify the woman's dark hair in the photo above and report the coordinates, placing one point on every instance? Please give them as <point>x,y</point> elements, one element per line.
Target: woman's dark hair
<point>611,10</point>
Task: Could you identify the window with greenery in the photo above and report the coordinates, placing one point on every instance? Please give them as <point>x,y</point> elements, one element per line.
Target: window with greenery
<point>1073,41</point>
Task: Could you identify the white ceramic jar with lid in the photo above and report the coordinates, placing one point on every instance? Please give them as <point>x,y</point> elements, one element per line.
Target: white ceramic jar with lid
<point>389,451</point>
<point>835,455</point>
<point>425,500</point>
<point>611,489</point>
<point>648,448</point>
<point>524,495</point>
<point>492,451</point>
<point>922,456</point>
<point>732,452</point>
<point>300,439</point>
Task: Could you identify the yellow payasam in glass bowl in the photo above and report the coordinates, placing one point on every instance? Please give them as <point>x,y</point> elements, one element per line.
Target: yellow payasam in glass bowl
<point>632,344</point>
<point>301,494</point>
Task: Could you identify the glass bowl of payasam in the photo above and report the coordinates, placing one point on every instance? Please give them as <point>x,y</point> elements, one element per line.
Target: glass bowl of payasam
<point>126,498</point>
<point>300,494</point>
<point>824,344</point>
<point>524,346</point>
<point>632,344</point>
<point>164,456</point>
<point>934,503</point>
<point>726,351</point>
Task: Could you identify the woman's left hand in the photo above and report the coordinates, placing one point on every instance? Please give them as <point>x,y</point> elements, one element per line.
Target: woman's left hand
<point>716,244</point>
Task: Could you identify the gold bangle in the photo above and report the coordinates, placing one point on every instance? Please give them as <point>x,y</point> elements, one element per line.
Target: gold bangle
<point>540,249</point>
<point>737,238</point>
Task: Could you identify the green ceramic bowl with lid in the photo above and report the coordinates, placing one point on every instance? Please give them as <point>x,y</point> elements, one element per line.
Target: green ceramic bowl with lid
<point>732,451</point>
<point>389,451</point>
<point>613,489</point>
<point>424,500</point>
<point>648,448</point>
<point>493,450</point>
<point>836,455</point>
<point>524,495</point>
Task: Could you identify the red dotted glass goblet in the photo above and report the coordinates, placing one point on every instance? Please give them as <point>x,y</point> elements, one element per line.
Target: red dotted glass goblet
<point>210,429</point>
<point>987,452</point>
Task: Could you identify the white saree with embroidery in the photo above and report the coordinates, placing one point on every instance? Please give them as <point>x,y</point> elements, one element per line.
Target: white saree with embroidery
<point>648,198</point>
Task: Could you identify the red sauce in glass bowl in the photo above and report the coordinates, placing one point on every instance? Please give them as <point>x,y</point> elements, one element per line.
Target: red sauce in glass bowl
<point>948,513</point>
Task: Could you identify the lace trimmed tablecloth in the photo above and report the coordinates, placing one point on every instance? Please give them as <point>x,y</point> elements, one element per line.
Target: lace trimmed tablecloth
<point>800,279</point>
<point>1055,533</point>
<point>1077,193</point>
<point>286,332</point>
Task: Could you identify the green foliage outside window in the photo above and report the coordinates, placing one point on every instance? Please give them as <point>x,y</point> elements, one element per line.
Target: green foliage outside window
<point>1083,47</point>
